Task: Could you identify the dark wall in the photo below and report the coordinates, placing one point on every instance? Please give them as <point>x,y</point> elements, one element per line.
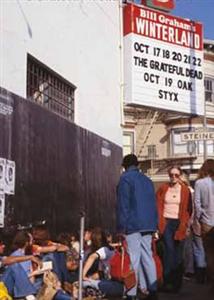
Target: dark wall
<point>59,168</point>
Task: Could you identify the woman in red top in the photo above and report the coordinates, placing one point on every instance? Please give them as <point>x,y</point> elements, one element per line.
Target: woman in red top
<point>174,210</point>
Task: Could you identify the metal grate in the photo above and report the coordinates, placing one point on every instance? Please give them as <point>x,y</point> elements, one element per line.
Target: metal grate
<point>49,89</point>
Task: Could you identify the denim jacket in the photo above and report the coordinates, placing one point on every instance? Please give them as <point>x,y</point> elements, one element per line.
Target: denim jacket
<point>136,204</point>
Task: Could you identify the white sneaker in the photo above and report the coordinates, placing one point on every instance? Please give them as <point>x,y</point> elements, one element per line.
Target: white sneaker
<point>30,297</point>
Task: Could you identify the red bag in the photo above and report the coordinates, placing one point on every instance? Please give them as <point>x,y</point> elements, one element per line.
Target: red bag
<point>158,263</point>
<point>116,270</point>
<point>120,268</point>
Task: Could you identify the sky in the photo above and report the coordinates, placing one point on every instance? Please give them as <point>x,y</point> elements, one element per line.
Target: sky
<point>197,10</point>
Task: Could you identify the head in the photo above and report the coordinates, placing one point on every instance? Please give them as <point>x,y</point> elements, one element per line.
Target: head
<point>21,240</point>
<point>174,173</point>
<point>87,235</point>
<point>41,235</point>
<point>98,238</point>
<point>74,236</point>
<point>72,260</point>
<point>207,169</point>
<point>109,237</point>
<point>130,160</point>
<point>64,238</point>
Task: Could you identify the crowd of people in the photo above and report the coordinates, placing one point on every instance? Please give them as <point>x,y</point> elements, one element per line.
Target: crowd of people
<point>182,218</point>
<point>176,222</point>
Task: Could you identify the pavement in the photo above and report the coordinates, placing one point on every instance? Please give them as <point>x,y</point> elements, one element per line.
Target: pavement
<point>190,291</point>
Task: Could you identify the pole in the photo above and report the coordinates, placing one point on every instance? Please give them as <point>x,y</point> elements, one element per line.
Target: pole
<point>82,229</point>
<point>205,128</point>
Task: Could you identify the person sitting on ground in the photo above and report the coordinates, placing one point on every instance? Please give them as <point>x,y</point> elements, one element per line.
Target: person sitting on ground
<point>50,251</point>
<point>96,270</point>
<point>14,276</point>
<point>21,243</point>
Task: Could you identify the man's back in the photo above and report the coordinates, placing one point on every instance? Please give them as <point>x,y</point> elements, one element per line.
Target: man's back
<point>136,209</point>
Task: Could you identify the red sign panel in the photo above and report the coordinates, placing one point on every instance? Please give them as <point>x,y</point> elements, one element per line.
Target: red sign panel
<point>161,26</point>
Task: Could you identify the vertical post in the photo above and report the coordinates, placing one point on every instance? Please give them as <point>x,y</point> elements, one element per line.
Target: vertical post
<point>82,229</point>
<point>205,128</point>
<point>122,120</point>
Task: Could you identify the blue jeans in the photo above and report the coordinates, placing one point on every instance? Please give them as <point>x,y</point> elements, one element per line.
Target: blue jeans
<point>198,252</point>
<point>111,288</point>
<point>173,249</point>
<point>17,282</point>
<point>140,251</point>
<point>188,257</point>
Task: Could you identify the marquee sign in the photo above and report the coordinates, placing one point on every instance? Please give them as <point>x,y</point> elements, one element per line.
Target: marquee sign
<point>163,61</point>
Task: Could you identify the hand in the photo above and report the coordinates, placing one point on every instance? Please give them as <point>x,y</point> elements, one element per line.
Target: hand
<point>61,248</point>
<point>156,235</point>
<point>37,261</point>
<point>86,278</point>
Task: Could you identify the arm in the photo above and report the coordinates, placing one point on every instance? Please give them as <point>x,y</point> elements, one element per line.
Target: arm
<point>160,195</point>
<point>197,200</point>
<point>52,248</point>
<point>89,262</point>
<point>123,204</point>
<point>9,260</point>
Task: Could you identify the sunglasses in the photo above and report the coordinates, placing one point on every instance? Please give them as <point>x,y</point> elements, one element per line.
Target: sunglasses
<point>174,175</point>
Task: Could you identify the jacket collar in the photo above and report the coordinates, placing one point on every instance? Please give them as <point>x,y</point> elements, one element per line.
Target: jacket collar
<point>132,168</point>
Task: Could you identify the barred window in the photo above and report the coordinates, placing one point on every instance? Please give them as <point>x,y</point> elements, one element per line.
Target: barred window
<point>152,153</point>
<point>209,89</point>
<point>49,89</point>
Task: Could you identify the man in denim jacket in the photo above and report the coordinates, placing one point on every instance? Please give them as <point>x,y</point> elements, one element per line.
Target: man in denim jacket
<point>137,219</point>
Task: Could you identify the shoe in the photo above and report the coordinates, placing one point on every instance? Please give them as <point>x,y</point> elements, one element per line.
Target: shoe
<point>152,296</point>
<point>30,297</point>
<point>188,276</point>
<point>142,294</point>
<point>201,276</point>
<point>167,288</point>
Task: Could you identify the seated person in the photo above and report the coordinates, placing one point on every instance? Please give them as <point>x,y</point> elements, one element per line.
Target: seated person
<point>13,275</point>
<point>101,255</point>
<point>50,251</point>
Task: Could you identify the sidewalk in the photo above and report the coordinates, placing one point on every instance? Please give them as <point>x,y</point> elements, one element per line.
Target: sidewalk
<point>190,291</point>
